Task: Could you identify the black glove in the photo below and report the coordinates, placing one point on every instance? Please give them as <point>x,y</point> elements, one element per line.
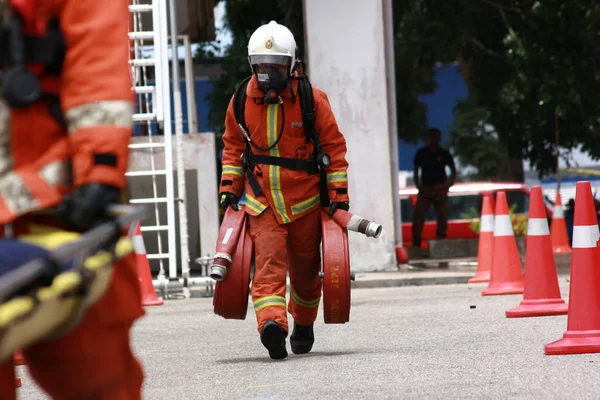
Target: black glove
<point>341,205</point>
<point>87,206</point>
<point>229,199</point>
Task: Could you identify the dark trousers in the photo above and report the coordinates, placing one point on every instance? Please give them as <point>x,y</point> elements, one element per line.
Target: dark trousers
<point>438,197</point>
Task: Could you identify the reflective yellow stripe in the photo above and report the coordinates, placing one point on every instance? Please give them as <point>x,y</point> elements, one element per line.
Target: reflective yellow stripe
<point>336,177</point>
<point>303,303</point>
<point>233,170</point>
<point>306,205</point>
<point>274,170</point>
<point>267,301</point>
<point>254,204</point>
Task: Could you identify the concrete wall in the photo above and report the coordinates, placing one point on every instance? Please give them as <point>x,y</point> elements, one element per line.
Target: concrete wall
<point>201,195</point>
<point>346,53</point>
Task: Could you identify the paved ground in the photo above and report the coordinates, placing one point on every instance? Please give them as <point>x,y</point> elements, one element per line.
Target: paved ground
<point>423,342</point>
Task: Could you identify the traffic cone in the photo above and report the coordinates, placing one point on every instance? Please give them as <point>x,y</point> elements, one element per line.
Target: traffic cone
<point>506,276</point>
<point>583,324</point>
<point>18,360</point>
<point>558,229</point>
<point>149,297</point>
<point>485,247</point>
<point>542,294</point>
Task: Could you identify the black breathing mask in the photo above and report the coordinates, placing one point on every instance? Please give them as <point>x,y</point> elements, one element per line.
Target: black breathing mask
<point>272,81</point>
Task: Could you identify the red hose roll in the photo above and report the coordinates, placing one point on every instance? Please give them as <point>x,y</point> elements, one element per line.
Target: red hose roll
<point>353,222</point>
<point>229,234</point>
<point>230,299</point>
<point>335,272</point>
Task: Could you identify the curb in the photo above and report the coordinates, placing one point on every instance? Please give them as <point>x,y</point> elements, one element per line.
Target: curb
<point>400,282</point>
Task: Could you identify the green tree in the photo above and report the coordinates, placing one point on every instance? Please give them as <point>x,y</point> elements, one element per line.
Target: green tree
<point>556,93</point>
<point>531,68</point>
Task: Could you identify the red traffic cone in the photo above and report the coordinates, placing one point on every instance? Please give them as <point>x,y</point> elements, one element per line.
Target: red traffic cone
<point>542,294</point>
<point>149,297</point>
<point>18,360</point>
<point>558,229</point>
<point>506,276</point>
<point>485,246</point>
<point>583,324</point>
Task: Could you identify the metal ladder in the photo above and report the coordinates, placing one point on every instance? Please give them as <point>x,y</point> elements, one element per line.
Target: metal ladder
<point>153,118</point>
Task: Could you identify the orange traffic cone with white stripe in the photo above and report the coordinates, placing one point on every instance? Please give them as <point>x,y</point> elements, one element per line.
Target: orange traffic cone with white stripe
<point>583,323</point>
<point>149,297</point>
<point>18,360</point>
<point>506,276</point>
<point>542,294</point>
<point>558,229</point>
<point>485,246</point>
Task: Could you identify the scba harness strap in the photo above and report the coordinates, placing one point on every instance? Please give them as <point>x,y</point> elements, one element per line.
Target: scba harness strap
<point>45,54</point>
<point>316,163</point>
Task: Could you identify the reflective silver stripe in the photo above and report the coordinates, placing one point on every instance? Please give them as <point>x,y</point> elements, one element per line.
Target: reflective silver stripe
<point>503,226</point>
<point>585,236</point>
<point>6,161</point>
<point>56,173</point>
<point>116,113</point>
<point>17,198</point>
<point>537,227</point>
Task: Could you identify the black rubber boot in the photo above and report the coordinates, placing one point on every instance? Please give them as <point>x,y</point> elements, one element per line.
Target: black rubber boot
<point>302,339</point>
<point>273,337</point>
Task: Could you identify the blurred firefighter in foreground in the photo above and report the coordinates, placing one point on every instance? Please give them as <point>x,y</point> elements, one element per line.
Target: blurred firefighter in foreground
<point>65,124</point>
<point>290,161</point>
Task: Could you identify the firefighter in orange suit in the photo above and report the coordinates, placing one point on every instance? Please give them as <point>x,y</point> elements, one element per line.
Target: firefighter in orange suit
<point>65,124</point>
<point>283,199</point>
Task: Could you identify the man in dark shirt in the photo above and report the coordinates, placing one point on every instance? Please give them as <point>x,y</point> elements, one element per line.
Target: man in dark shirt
<point>433,185</point>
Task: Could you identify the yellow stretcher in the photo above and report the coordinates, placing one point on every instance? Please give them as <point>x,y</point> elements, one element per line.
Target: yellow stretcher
<point>40,301</point>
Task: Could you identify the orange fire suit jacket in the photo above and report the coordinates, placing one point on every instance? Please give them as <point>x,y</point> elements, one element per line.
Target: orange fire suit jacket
<point>290,193</point>
<point>40,162</point>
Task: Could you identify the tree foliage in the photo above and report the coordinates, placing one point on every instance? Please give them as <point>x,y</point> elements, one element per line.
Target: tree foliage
<point>522,62</point>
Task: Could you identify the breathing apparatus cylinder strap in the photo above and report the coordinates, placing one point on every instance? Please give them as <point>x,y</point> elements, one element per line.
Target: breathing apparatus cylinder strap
<point>296,164</point>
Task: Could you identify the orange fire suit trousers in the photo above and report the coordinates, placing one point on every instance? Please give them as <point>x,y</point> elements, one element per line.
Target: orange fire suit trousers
<point>297,245</point>
<point>95,360</point>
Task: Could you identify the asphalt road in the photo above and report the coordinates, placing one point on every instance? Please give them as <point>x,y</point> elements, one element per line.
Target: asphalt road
<point>422,342</point>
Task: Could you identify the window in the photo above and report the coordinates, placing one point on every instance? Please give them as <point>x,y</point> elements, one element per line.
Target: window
<point>406,210</point>
<point>517,199</point>
<point>462,206</point>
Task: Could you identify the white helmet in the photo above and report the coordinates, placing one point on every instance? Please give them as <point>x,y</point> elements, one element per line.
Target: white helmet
<point>272,44</point>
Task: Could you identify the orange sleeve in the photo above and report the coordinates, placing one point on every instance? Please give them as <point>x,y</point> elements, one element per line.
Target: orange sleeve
<point>96,94</point>
<point>232,176</point>
<point>334,144</point>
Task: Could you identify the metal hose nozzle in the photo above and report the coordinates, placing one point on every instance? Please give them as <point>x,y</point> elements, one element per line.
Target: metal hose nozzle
<point>218,272</point>
<point>373,230</point>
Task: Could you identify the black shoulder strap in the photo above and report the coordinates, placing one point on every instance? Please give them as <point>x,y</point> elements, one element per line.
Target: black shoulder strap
<point>307,104</point>
<point>239,102</point>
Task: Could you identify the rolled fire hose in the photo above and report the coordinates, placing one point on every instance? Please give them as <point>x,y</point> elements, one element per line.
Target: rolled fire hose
<point>230,229</point>
<point>229,234</point>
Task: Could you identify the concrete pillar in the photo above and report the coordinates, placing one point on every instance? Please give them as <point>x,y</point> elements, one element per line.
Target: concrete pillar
<point>208,193</point>
<point>347,60</point>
